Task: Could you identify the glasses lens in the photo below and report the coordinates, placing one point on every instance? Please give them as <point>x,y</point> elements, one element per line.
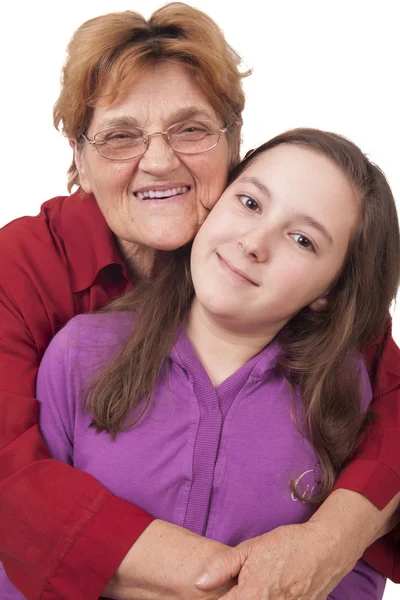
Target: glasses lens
<point>191,137</point>
<point>120,144</point>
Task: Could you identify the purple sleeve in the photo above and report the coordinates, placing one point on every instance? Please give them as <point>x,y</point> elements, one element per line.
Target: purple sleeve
<point>53,388</point>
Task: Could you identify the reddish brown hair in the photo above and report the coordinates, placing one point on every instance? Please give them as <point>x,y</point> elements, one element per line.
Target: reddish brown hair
<point>108,53</point>
<point>319,349</point>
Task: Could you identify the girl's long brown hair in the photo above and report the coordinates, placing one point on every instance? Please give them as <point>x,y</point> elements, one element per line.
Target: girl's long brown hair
<point>319,349</point>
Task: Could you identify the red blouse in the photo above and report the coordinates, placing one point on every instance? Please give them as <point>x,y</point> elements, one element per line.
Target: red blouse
<point>62,534</point>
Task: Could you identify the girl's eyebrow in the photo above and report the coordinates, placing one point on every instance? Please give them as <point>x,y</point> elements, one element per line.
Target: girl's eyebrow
<point>263,188</point>
<point>316,225</point>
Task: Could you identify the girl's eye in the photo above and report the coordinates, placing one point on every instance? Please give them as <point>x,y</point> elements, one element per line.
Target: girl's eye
<point>249,203</point>
<point>303,241</point>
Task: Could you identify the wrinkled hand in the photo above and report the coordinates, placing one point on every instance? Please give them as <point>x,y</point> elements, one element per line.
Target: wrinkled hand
<point>294,562</point>
<point>163,565</point>
<point>304,562</point>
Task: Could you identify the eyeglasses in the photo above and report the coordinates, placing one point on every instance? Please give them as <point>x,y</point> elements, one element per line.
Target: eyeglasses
<point>125,143</point>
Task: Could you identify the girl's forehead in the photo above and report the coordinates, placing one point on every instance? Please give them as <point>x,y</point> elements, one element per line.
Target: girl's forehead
<point>292,163</point>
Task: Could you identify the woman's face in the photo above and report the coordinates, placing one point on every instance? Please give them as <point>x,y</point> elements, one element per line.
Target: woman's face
<point>275,241</point>
<point>163,96</point>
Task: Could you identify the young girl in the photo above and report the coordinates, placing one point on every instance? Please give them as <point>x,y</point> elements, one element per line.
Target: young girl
<point>226,401</point>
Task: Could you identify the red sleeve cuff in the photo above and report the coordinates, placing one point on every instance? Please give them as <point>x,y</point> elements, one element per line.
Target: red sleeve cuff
<point>384,555</point>
<point>372,478</point>
<point>106,539</point>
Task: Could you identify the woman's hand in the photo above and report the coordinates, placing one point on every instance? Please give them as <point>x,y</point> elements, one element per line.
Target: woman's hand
<point>291,562</point>
<point>305,561</point>
<point>163,565</point>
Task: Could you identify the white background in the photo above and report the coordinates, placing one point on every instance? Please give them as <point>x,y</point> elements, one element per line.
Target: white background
<point>327,64</point>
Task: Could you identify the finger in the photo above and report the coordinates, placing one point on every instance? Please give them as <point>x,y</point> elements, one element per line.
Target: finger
<point>220,569</point>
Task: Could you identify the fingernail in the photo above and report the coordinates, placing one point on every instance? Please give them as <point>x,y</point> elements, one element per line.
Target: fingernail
<point>202,579</point>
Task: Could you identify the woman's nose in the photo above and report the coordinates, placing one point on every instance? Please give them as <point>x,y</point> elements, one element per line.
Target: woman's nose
<point>159,159</point>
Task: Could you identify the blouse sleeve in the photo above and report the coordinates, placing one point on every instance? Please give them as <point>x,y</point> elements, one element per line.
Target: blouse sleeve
<point>375,469</point>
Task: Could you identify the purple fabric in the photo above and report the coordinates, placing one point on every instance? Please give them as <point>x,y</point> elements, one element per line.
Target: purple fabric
<point>217,461</point>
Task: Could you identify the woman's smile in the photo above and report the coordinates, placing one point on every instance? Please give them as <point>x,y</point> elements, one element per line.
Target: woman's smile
<point>159,192</point>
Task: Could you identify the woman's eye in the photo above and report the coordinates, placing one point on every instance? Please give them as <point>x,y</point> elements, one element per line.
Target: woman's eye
<point>249,203</point>
<point>303,241</point>
<point>121,135</point>
<point>194,129</point>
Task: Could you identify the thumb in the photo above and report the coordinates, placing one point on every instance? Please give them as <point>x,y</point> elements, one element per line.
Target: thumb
<point>222,567</point>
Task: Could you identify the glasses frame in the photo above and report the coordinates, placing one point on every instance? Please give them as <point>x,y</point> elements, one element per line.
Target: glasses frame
<point>147,136</point>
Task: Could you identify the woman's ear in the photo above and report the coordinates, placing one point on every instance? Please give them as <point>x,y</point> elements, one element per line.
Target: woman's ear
<point>319,304</point>
<point>80,162</point>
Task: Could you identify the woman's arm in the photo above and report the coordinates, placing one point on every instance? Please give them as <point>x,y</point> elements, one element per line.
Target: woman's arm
<point>307,560</point>
<point>62,534</point>
<point>163,562</point>
<point>375,470</point>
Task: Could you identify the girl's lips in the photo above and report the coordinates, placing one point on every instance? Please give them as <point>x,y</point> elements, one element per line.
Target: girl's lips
<point>237,272</point>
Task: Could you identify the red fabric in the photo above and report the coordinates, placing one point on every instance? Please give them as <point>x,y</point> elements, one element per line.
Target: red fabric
<point>62,534</point>
<point>375,470</point>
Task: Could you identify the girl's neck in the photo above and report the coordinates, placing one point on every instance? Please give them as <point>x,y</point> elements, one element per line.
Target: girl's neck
<point>222,347</point>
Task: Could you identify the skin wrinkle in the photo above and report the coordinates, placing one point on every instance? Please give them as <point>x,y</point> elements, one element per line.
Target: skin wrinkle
<point>179,115</point>
<point>154,101</point>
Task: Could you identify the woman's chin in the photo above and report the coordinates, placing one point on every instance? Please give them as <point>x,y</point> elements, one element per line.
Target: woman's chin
<point>172,239</point>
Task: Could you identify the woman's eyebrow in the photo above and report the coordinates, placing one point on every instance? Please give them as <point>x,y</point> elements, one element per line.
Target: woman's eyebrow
<point>189,112</point>
<point>122,121</point>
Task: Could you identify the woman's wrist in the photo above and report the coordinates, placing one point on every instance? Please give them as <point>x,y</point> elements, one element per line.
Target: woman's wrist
<point>350,519</point>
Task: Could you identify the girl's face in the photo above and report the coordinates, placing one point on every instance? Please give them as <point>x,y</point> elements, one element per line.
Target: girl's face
<point>275,241</point>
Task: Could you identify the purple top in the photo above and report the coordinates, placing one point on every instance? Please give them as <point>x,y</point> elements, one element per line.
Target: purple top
<point>217,461</point>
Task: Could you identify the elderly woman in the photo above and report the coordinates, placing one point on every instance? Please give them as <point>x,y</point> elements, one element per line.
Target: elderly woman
<point>153,113</point>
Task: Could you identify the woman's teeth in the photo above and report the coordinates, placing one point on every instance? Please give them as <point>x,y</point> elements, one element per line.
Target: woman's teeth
<point>162,194</point>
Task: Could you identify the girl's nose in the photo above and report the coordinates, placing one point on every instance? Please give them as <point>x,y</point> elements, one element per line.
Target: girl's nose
<point>254,245</point>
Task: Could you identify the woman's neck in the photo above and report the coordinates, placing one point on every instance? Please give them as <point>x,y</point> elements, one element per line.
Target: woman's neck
<point>221,347</point>
<point>138,259</point>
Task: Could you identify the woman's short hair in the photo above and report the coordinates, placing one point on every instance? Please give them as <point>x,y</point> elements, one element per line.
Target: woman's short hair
<point>108,53</point>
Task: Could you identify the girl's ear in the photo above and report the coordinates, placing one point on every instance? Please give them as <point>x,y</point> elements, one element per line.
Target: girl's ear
<point>319,305</point>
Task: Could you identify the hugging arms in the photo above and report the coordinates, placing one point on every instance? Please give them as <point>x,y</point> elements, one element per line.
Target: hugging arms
<point>74,257</point>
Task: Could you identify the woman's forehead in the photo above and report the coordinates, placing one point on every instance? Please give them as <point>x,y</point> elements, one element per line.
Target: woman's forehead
<point>168,91</point>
